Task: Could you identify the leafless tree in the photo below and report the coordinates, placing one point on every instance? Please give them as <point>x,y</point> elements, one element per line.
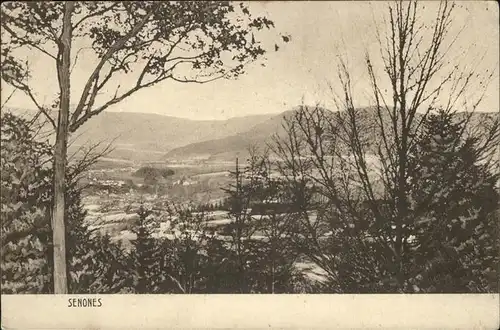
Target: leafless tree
<point>358,160</point>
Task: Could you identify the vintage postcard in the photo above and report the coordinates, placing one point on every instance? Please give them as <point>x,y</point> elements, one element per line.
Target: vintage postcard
<point>258,164</point>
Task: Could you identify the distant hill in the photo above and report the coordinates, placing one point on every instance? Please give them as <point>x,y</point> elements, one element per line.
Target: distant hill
<point>139,135</point>
<point>144,137</point>
<point>236,145</point>
<point>260,135</point>
<point>150,137</point>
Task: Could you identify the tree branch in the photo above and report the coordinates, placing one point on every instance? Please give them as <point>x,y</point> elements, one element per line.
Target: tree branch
<point>26,41</point>
<point>96,13</point>
<point>109,53</point>
<point>25,88</point>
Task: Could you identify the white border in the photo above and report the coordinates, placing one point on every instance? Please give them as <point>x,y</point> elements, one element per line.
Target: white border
<point>381,311</point>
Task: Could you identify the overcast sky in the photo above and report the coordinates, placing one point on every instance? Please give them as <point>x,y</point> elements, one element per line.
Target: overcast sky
<point>301,69</point>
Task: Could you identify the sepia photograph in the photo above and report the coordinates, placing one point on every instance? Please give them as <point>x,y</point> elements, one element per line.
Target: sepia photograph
<point>249,148</point>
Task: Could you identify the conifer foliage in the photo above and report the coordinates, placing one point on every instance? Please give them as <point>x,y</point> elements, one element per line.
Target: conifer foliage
<point>95,264</point>
<point>145,254</point>
<point>455,202</point>
<point>24,192</point>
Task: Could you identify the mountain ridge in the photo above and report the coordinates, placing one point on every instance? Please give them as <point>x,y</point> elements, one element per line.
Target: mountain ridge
<point>229,147</point>
<point>146,137</point>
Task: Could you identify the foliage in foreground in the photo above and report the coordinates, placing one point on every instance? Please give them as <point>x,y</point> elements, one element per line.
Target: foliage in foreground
<point>446,240</point>
<point>451,244</point>
<point>26,188</point>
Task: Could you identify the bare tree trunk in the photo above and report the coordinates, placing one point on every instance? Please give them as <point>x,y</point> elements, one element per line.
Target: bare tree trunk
<point>58,214</point>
